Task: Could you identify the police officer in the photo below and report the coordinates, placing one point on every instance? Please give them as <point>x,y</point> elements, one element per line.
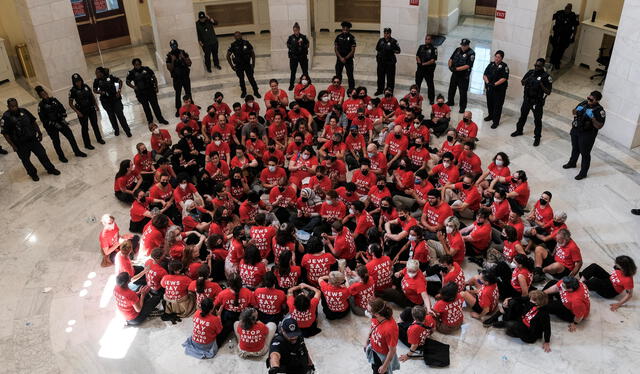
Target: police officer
<point>564,33</point>
<point>345,48</point>
<point>82,101</point>
<point>109,88</point>
<point>589,117</point>
<point>52,115</point>
<point>496,81</point>
<point>426,57</point>
<point>537,86</point>
<point>208,40</point>
<point>178,63</point>
<point>21,131</point>
<point>242,60</point>
<point>387,49</point>
<point>288,352</point>
<point>298,46</point>
<point>145,85</point>
<point>460,65</point>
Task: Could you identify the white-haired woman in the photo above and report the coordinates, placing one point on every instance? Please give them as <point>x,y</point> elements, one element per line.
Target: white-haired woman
<point>450,244</point>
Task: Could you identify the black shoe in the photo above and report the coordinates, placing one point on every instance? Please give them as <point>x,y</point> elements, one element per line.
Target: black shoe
<point>116,132</point>
<point>494,126</point>
<point>243,94</point>
<point>89,146</point>
<point>218,67</point>
<point>177,113</point>
<point>163,121</point>
<point>80,154</point>
<point>450,103</point>
<point>499,324</point>
<point>487,118</point>
<point>35,177</point>
<point>461,110</point>
<point>430,102</point>
<point>54,172</point>
<point>63,159</point>
<point>128,134</point>
<point>3,151</point>
<point>579,177</point>
<point>635,212</point>
<point>291,87</point>
<point>100,141</point>
<point>208,70</point>
<point>539,278</point>
<point>378,93</point>
<point>568,166</point>
<point>257,94</point>
<point>491,320</point>
<point>536,142</point>
<point>516,133</point>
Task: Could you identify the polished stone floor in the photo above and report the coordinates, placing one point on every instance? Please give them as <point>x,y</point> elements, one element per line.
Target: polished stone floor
<point>57,311</point>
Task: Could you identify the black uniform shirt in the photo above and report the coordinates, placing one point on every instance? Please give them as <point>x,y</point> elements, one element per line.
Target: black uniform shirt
<point>462,58</point>
<point>298,46</point>
<point>241,52</point>
<point>291,354</point>
<point>19,126</point>
<point>51,111</point>
<point>565,24</point>
<point>206,32</point>
<point>534,81</point>
<point>82,97</point>
<point>144,80</point>
<point>180,67</point>
<point>598,111</point>
<point>495,72</point>
<point>427,52</point>
<point>387,50</point>
<point>345,42</point>
<point>106,86</point>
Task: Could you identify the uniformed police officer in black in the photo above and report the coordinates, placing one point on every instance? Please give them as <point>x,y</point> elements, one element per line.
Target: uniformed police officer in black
<point>564,33</point>
<point>52,115</point>
<point>460,65</point>
<point>288,353</point>
<point>426,58</point>
<point>345,48</point>
<point>589,117</point>
<point>208,40</point>
<point>82,101</point>
<point>242,60</point>
<point>179,63</point>
<point>387,49</point>
<point>537,86</point>
<point>21,131</point>
<point>496,81</point>
<point>145,85</point>
<point>298,46</point>
<point>109,88</point>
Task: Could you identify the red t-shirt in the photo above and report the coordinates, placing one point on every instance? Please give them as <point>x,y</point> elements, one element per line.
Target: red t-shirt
<point>543,213</point>
<point>336,211</point>
<point>384,335</point>
<point>227,297</point>
<point>175,286</point>
<point>262,237</point>
<point>109,237</point>
<point>363,182</point>
<point>205,329</point>
<point>337,297</point>
<point>152,238</point>
<point>123,264</point>
<point>467,130</point>
<point>355,143</point>
<point>143,162</point>
<point>437,214</point>
<point>501,210</point>
<point>161,193</point>
<point>226,133</point>
<point>336,93</point>
<point>454,148</point>
<point>568,254</point>
<point>364,125</point>
<point>413,287</point>
<point>498,171</point>
<point>125,299</point>
<point>380,269</point>
<point>450,313</point>
<point>488,296</point>
<point>450,175</point>
<point>509,250</point>
<point>470,164</point>
<point>346,199</point>
<point>621,282</point>
<point>211,290</point>
<point>456,275</point>
<point>236,251</point>
<point>288,196</point>
<point>253,339</point>
<point>253,107</point>
<point>418,156</point>
<point>127,181</point>
<point>577,301</point>
<point>376,195</point>
<point>251,274</point>
<point>289,280</point>
<point>350,107</point>
<point>270,96</point>
<point>522,188</point>
<point>396,145</point>
<point>156,139</point>
<point>440,112</point>
<point>378,162</point>
<point>317,265</point>
<point>363,223</point>
<point>363,292</point>
<point>321,109</point>
<point>269,300</point>
<point>419,251</point>
<point>304,318</point>
<point>195,128</point>
<point>154,274</point>
<point>456,243</point>
<point>417,334</point>
<point>181,195</point>
<point>344,246</point>
<point>515,282</point>
<point>471,196</point>
<point>337,171</point>
<point>480,236</point>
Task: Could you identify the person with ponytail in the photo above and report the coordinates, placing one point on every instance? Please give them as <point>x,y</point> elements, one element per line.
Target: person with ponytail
<point>382,341</point>
<point>270,301</point>
<point>620,281</point>
<point>176,295</point>
<point>229,303</point>
<point>517,282</point>
<point>361,289</point>
<point>253,335</point>
<point>202,287</point>
<point>206,327</point>
<point>252,268</point>
<point>286,271</point>
<point>236,251</point>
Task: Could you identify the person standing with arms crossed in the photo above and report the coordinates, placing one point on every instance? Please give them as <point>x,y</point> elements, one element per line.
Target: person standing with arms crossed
<point>589,117</point>
<point>426,58</point>
<point>496,81</point>
<point>179,63</point>
<point>460,65</point>
<point>298,46</point>
<point>145,85</point>
<point>345,49</point>
<point>242,60</point>
<point>537,86</point>
<point>387,49</point>
<point>208,40</point>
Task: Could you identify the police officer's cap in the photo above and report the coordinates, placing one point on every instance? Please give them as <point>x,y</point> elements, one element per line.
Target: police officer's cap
<point>39,89</point>
<point>202,15</point>
<point>465,41</point>
<point>11,100</point>
<point>173,43</point>
<point>346,24</point>
<point>387,30</point>
<point>290,327</point>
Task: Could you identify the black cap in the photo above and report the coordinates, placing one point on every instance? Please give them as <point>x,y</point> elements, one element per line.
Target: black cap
<point>387,29</point>
<point>290,327</point>
<point>465,41</point>
<point>173,43</point>
<point>202,15</point>
<point>346,24</point>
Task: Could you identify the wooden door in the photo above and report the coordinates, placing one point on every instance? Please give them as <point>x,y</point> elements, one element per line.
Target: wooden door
<point>486,7</point>
<point>102,24</point>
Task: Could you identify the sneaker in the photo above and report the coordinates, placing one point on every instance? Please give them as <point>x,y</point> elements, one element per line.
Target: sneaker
<point>378,93</point>
<point>116,133</point>
<point>218,67</point>
<point>450,103</point>
<point>536,142</point>
<point>128,134</point>
<point>243,94</point>
<point>516,133</point>
<point>461,110</point>
<point>208,70</point>
<point>177,114</point>
<point>163,121</point>
<point>568,166</point>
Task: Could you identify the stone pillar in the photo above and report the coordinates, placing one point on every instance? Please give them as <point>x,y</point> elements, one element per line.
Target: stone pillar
<point>54,44</point>
<point>621,94</point>
<point>175,19</point>
<point>283,14</point>
<point>408,25</point>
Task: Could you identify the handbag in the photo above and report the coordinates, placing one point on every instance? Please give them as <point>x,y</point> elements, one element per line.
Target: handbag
<point>436,354</point>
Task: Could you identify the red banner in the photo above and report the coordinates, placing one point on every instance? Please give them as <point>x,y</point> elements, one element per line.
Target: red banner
<point>414,2</point>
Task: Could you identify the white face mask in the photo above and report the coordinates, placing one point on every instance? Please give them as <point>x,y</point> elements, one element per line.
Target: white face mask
<point>304,82</point>
<point>351,211</point>
<point>217,142</point>
<point>449,229</point>
<point>499,163</point>
<point>272,168</point>
<point>411,275</point>
<point>412,238</point>
<point>370,154</point>
<point>156,131</point>
<point>416,125</point>
<point>325,99</point>
<point>305,156</point>
<point>497,200</point>
<point>330,202</point>
<point>183,186</point>
<point>446,164</point>
<point>369,107</point>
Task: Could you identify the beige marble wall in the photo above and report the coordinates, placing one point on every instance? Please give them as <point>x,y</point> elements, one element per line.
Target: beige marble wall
<point>408,24</point>
<point>283,14</point>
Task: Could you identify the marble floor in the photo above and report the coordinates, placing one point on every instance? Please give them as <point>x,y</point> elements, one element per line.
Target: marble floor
<point>58,315</point>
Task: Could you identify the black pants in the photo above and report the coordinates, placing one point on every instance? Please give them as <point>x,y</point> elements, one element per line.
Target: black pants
<point>597,279</point>
<point>89,115</point>
<point>386,70</point>
<point>54,133</point>
<point>403,326</point>
<point>228,319</point>
<point>556,307</point>
<point>495,101</point>
<point>149,101</point>
<point>581,145</point>
<point>150,303</point>
<point>461,82</point>
<point>377,363</point>
<point>517,329</point>
<point>178,85</point>
<point>115,111</point>
<point>537,108</point>
<point>348,64</point>
<point>241,71</point>
<point>24,153</point>
<point>211,50</point>
<point>426,73</point>
<point>558,51</point>
<point>138,226</point>
<point>293,66</point>
<point>330,314</point>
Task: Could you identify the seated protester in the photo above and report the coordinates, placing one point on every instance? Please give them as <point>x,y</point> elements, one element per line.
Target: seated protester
<point>187,121</point>
<point>161,194</point>
<point>379,266</point>
<point>336,171</point>
<point>396,145</point>
<point>417,250</point>
<point>217,168</point>
<point>139,212</point>
<point>516,221</point>
<point>336,90</point>
<point>402,178</point>
<point>285,241</point>
<point>469,162</point>
<point>383,338</point>
<point>227,131</point>
<point>468,199</point>
<point>183,163</point>
<point>477,236</point>
<point>228,305</point>
<point>123,264</point>
<point>377,160</point>
<point>417,196</point>
<point>203,288</point>
<point>278,131</point>
<point>448,309</point>
<point>419,154</point>
<point>297,112</point>
<point>516,282</point>
<point>219,105</point>
<point>450,144</point>
<point>338,115</point>
<point>434,214</point>
<point>547,236</point>
<point>376,114</point>
<point>237,186</point>
<point>321,108</point>
<point>110,239</point>
<point>236,252</point>
<point>355,148</point>
<point>308,210</point>
<point>329,130</point>
<point>332,209</point>
<point>185,191</point>
<point>218,146</point>
<point>388,103</point>
<point>262,235</point>
<point>518,187</point>
<point>363,124</point>
<point>335,295</point>
<point>364,222</point>
<point>174,243</point>
<point>143,163</point>
<point>178,301</point>
<point>411,288</point>
<point>255,146</point>
<point>134,307</point>
<point>250,208</point>
<point>253,336</point>
<point>288,353</point>
<point>153,235</point>
<point>251,268</point>
<point>351,104</point>
<point>206,327</point>
<point>484,300</point>
<point>305,93</point>
<point>620,281</point>
<point>302,302</point>
<point>500,209</point>
<point>498,168</point>
<point>190,256</point>
<point>414,328</point>
<point>239,117</point>
<point>440,116</point>
<point>302,165</point>
<point>449,243</point>
<point>270,301</point>
<point>564,260</point>
<point>251,106</point>
<point>282,197</point>
<point>189,106</point>
<point>377,194</point>
<point>361,288</point>
<point>286,271</point>
<point>195,217</point>
<point>347,194</point>
<point>340,243</point>
<point>319,182</point>
<point>467,129</point>
<point>127,180</point>
<point>363,178</point>
<point>542,214</point>
<point>511,247</point>
<point>224,200</point>
<point>217,256</point>
<point>316,262</point>
<point>534,323</point>
<point>568,300</point>
<point>245,162</point>
<point>414,98</point>
<point>272,151</point>
<point>160,141</point>
<point>450,271</point>
<point>445,172</point>
<point>295,145</point>
<point>155,271</point>
<point>163,166</point>
<point>397,231</point>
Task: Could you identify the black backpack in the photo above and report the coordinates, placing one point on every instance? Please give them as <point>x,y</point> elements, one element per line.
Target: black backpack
<point>436,354</point>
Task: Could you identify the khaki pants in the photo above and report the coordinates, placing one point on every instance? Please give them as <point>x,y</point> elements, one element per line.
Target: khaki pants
<point>183,308</point>
<point>244,354</point>
<point>465,213</point>
<point>436,250</point>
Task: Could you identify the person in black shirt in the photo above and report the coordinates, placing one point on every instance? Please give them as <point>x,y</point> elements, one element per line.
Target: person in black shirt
<point>387,49</point>
<point>52,115</point>
<point>460,65</point>
<point>564,33</point>
<point>82,101</point>
<point>242,60</point>
<point>179,63</point>
<point>21,131</point>
<point>345,49</point>
<point>537,86</point>
<point>145,85</point>
<point>288,353</point>
<point>208,40</point>
<point>109,88</point>
<point>426,58</point>
<point>298,46</point>
<point>527,318</point>
<point>496,80</point>
<point>589,117</point>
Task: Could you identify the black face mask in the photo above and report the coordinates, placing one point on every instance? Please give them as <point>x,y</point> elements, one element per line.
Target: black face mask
<point>304,199</point>
<point>381,187</point>
<point>402,167</point>
<point>466,120</point>
<point>365,172</point>
<point>142,199</point>
<point>433,203</point>
<point>354,133</point>
<point>212,115</point>
<point>440,104</point>
<point>387,94</point>
<point>298,143</point>
<point>543,202</point>
<point>479,223</point>
<point>398,136</point>
<point>281,188</point>
<point>403,218</point>
<point>361,117</point>
<point>449,139</point>
<point>557,224</point>
<point>503,237</point>
<point>271,149</point>
<point>236,181</point>
<point>253,139</point>
<point>418,145</point>
<point>362,96</point>
<point>414,93</point>
<point>164,184</point>
<point>386,208</point>
<point>320,177</point>
<point>466,186</point>
<point>297,110</point>
<point>144,152</point>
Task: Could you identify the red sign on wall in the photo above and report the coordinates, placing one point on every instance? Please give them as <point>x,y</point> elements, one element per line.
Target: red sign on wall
<point>414,2</point>
<point>502,14</point>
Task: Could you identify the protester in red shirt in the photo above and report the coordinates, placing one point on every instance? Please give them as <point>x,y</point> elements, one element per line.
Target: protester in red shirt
<point>251,268</point>
<point>186,120</point>
<point>340,243</point>
<point>153,234</point>
<point>134,307</point>
<point>275,94</point>
<point>160,141</point>
<point>139,212</point>
<point>620,281</point>
<point>202,287</point>
<point>468,201</point>
<point>361,289</point>
<point>417,249</point>
<point>446,172</point>
<point>229,303</point>
<point>316,262</point>
<point>467,129</point>
<point>269,300</point>
<point>448,309</point>
<point>302,165</point>
<point>396,145</point>
<point>383,337</point>
<point>569,300</point>
<point>335,301</point>
<point>332,209</point>
<point>178,301</point>
<point>250,106</point>
<point>336,90</point>
<point>450,144</point>
<point>440,116</point>
<point>322,107</point>
<point>434,213</point>
<point>483,300</point>
<point>253,336</point>
<point>414,98</point>
<point>377,193</point>
<point>286,271</point>
<point>126,181</point>
<point>564,260</point>
<point>500,208</point>
<point>379,267</point>
<point>189,107</point>
<point>451,243</point>
<point>227,131</point>
<point>278,131</point>
<point>518,187</point>
<point>498,168</point>
<point>304,308</point>
<point>415,327</point>
<point>469,162</point>
<point>109,239</point>
<point>206,327</point>
<point>477,236</point>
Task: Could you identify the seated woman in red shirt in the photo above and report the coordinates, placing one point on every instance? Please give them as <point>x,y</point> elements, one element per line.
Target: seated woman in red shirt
<point>123,264</point>
<point>335,295</point>
<point>270,301</point>
<point>253,336</point>
<point>362,290</point>
<point>206,327</point>
<point>414,327</point>
<point>127,180</point>
<point>382,341</point>
<point>448,309</point>
<point>482,301</point>
<point>620,281</point>
<point>229,303</point>
<point>302,301</point>
<point>305,93</point>
<point>498,168</point>
<point>109,240</point>
<point>251,268</point>
<point>203,287</point>
<point>178,301</point>
<point>134,307</point>
<point>568,300</point>
<point>286,271</point>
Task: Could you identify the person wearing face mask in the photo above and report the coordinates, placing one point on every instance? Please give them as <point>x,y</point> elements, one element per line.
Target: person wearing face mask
<point>341,242</point>
<point>189,106</point>
<point>363,178</point>
<point>410,289</point>
<point>226,130</point>
<point>477,236</point>
<point>419,154</point>
<point>402,178</point>
<point>434,214</point>
<point>467,129</point>
<point>352,103</point>
<point>83,102</point>
<point>451,145</point>
<point>388,102</point>
<point>253,125</point>
<point>336,171</point>
<point>308,210</point>
<point>426,57</point>
<point>417,250</point>
<point>500,210</point>
<point>179,64</point>
<point>395,146</point>
<point>377,160</point>
<point>498,168</point>
<point>450,243</point>
<point>541,216</point>
<point>251,106</point>
<point>468,161</point>
<point>255,146</point>
<point>445,172</point>
<point>537,86</point>
<point>143,162</point>
<point>185,191</point>
<point>192,148</point>
<point>482,297</point>
<point>337,114</point>
<point>272,175</point>
<point>377,195</point>
<point>565,259</point>
<point>160,141</point>
<point>332,208</point>
<point>414,98</point>
<point>610,285</point>
<point>508,249</point>
<point>467,200</point>
<point>440,116</point>
<point>387,48</point>
<point>195,218</point>
<point>496,81</point>
<point>297,112</point>
<point>417,195</point>
<point>320,182</point>
<point>363,125</point>
<point>336,91</point>
<point>161,194</point>
<point>139,213</point>
<point>127,180</point>
<point>302,165</point>
<point>305,93</point>
<point>397,231</point>
<point>547,236</point>
<point>322,108</point>
<point>334,147</point>
<point>518,190</point>
<point>218,146</point>
<point>355,146</point>
<point>250,208</point>
<point>364,221</point>
<point>187,121</point>
<point>460,64</point>
<point>145,85</point>
<point>242,59</point>
<point>568,300</point>
<point>298,46</point>
<point>219,105</point>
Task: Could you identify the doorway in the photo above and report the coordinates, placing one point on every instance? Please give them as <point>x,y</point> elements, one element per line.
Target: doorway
<point>486,7</point>
<point>102,24</point>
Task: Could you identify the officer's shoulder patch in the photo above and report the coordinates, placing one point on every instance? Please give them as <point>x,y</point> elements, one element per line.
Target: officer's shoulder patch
<point>539,78</point>
<point>472,57</point>
<point>550,79</point>
<point>602,113</point>
<point>506,68</point>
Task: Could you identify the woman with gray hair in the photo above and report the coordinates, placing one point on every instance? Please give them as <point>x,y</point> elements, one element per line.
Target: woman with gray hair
<point>195,217</point>
<point>450,244</point>
<point>410,287</point>
<point>565,259</point>
<point>547,236</point>
<point>308,207</point>
<point>254,337</point>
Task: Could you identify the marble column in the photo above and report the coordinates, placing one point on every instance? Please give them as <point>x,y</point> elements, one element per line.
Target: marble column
<point>282,15</point>
<point>54,44</point>
<point>175,19</point>
<point>408,25</point>
<point>621,93</point>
